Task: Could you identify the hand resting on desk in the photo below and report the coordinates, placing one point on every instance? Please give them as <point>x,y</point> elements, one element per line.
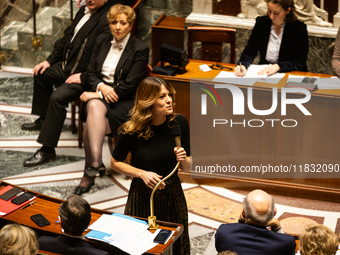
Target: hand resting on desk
<point>269,70</point>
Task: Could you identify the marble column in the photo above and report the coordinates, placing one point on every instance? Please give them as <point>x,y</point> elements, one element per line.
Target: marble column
<point>202,6</point>
<point>336,17</point>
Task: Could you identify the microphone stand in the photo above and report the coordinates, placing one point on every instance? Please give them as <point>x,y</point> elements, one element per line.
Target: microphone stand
<point>152,218</point>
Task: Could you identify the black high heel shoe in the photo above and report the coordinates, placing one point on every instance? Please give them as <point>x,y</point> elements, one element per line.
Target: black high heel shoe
<point>92,171</point>
<point>79,190</point>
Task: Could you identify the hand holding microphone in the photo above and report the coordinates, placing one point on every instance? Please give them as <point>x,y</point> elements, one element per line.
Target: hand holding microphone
<point>181,154</point>
<point>179,151</point>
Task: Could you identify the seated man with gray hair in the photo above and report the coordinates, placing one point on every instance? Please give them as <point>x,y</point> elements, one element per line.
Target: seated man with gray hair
<point>250,235</point>
<point>75,216</point>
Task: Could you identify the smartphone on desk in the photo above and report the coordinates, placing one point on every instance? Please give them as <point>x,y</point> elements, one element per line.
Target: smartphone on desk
<point>11,193</point>
<point>162,236</point>
<point>22,198</point>
<point>40,220</point>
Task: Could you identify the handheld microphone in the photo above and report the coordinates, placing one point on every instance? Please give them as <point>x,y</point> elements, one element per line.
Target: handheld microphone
<point>176,131</point>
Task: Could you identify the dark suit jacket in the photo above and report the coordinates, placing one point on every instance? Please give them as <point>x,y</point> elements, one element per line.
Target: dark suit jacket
<point>130,70</point>
<point>96,25</point>
<point>68,246</point>
<point>245,239</point>
<point>125,2</point>
<point>294,46</point>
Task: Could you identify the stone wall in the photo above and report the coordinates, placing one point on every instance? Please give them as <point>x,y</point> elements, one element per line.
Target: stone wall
<point>21,10</point>
<point>151,10</point>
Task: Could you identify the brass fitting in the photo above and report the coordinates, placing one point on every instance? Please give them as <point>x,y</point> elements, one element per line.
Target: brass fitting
<point>37,42</point>
<point>3,56</point>
<point>152,223</point>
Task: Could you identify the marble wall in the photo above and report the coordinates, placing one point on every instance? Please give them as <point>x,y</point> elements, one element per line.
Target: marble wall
<point>151,10</point>
<point>21,10</point>
<point>52,17</point>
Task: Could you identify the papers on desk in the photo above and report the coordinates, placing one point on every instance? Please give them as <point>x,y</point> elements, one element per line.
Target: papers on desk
<point>295,78</point>
<point>328,83</point>
<point>323,83</point>
<point>126,233</point>
<point>250,78</point>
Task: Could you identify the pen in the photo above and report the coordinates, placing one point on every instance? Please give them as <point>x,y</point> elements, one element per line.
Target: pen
<point>240,65</point>
<point>28,205</point>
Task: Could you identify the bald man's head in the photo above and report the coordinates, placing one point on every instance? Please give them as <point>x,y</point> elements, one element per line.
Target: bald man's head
<point>258,207</point>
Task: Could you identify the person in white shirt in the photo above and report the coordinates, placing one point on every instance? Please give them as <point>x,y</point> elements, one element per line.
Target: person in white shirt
<point>65,70</point>
<point>280,38</point>
<point>118,64</point>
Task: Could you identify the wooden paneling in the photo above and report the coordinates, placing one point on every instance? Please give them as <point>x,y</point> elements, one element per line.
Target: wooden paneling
<point>227,7</point>
<point>312,141</point>
<point>169,30</point>
<point>48,207</point>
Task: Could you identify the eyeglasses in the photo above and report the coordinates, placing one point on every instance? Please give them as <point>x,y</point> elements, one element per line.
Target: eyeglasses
<point>217,66</point>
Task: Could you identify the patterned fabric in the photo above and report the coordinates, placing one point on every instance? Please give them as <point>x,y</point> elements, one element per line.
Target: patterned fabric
<point>169,205</point>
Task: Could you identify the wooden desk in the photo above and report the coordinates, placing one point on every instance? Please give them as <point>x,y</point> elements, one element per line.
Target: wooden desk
<point>314,140</point>
<point>48,206</point>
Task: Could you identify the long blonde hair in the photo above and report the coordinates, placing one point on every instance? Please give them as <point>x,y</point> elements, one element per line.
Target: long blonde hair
<point>141,114</point>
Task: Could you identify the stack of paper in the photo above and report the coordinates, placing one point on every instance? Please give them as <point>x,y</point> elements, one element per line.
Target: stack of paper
<point>126,233</point>
<point>323,83</point>
<point>250,77</point>
<point>328,83</point>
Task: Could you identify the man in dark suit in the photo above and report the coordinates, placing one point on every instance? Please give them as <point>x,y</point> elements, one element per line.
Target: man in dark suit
<point>75,216</point>
<point>250,235</point>
<point>64,69</point>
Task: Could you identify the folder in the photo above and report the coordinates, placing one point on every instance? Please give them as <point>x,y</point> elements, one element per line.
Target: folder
<point>7,207</point>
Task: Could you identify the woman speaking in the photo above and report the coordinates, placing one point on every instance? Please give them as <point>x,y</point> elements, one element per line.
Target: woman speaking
<point>148,135</point>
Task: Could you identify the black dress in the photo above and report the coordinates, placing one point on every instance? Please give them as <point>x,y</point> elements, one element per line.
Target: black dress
<point>157,155</point>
